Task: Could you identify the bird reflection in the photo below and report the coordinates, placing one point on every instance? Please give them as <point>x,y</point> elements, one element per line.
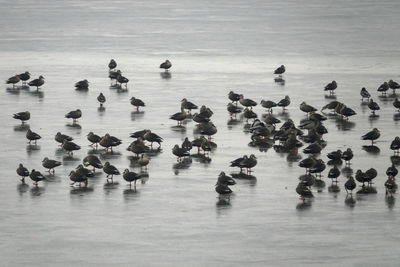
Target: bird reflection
<point>372,118</point>
<point>13,91</point>
<point>37,191</point>
<point>184,164</point>
<point>144,177</point>
<point>38,94</point>
<point>374,150</point>
<point>279,80</point>
<point>165,75</point>
<point>32,148</point>
<point>232,122</point>
<point>109,155</point>
<point>109,187</point>
<point>69,159</point>
<point>131,193</point>
<point>244,176</point>
<point>367,190</point>
<point>395,160</point>
<point>137,115</point>
<point>347,171</point>
<point>178,128</point>
<point>22,188</point>
<point>319,185</point>
<point>350,201</point>
<point>81,190</point>
<point>21,127</point>
<point>223,202</point>
<point>396,117</point>
<point>74,125</point>
<point>331,97</point>
<point>101,110</point>
<point>305,205</point>
<point>333,188</point>
<point>390,201</point>
<point>335,162</point>
<point>344,125</point>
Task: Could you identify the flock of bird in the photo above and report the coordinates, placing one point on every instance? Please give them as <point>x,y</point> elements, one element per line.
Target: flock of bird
<point>288,138</point>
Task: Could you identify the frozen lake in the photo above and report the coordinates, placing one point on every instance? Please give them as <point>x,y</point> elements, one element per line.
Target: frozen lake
<point>174,217</point>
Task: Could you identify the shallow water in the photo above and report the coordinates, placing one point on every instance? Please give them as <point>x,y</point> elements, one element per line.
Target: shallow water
<point>174,217</point>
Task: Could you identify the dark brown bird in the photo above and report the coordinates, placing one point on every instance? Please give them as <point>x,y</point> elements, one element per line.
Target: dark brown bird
<point>347,156</point>
<point>247,102</point>
<point>70,147</point>
<point>102,99</point>
<point>233,110</point>
<point>130,177</point>
<point>112,65</point>
<point>121,79</point>
<point>93,138</point>
<point>23,172</point>
<point>350,185</point>
<point>373,106</point>
<point>22,116</point>
<point>307,108</point>
<point>108,142</point>
<point>280,70</point>
<point>74,115</point>
<point>268,104</point>
<point>166,65</point>
<point>50,164</point>
<point>393,85</point>
<point>223,190</point>
<point>334,174</point>
<point>37,82</point>
<point>185,104</point>
<point>13,80</point>
<point>179,152</point>
<point>32,136</point>
<point>82,85</point>
<point>110,170</point>
<point>137,103</point>
<point>284,102</point>
<point>395,145</point>
<point>331,87</point>
<point>364,94</point>
<point>78,177</point>
<point>143,161</point>
<point>94,161</point>
<point>396,104</point>
<point>61,137</point>
<point>152,138</point>
<point>36,177</point>
<point>225,179</point>
<point>234,97</point>
<point>179,117</point>
<point>303,191</point>
<point>372,135</point>
<point>384,87</point>
<point>24,77</point>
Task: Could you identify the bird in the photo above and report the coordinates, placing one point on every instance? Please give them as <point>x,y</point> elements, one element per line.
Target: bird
<point>303,191</point>
<point>280,70</point>
<point>225,179</point>
<point>271,119</point>
<point>370,174</point>
<point>393,85</point>
<point>395,145</point>
<point>137,103</point>
<point>234,97</point>
<point>392,171</point>
<point>186,144</point>
<point>138,147</point>
<point>350,185</point>
<point>121,79</point>
<point>94,161</point>
<point>179,117</point>
<point>307,163</point>
<point>82,85</point>
<point>102,99</point>
<point>268,104</point>
<point>152,138</point>
<point>205,111</point>
<point>208,129</point>
<point>345,112</point>
<point>318,167</point>
<point>334,173</point>
<point>13,80</point>
<point>384,87</point>
<point>112,65</point>
<point>335,155</point>
<point>36,177</point>
<point>37,82</point>
<point>74,115</point>
<point>61,137</point>
<point>185,104</point>
<point>347,156</point>
<point>70,146</point>
<point>396,104</point>
<point>78,177</point>
<point>110,170</point>
<point>32,136</point>
<point>233,110</point>
<point>223,190</point>
<point>249,114</point>
<point>23,172</point>
<point>237,162</point>
<point>108,142</point>
<point>50,164</point>
<point>314,148</point>
<point>179,152</point>
<point>249,162</point>
<point>364,94</point>
<point>373,106</point>
<point>200,118</point>
<point>247,102</point>
<point>93,138</point>
<point>166,65</point>
<point>84,171</point>
<point>198,142</point>
<point>331,105</point>
<point>138,134</point>
<point>24,77</point>
<point>331,87</point>
<point>22,116</point>
<point>143,161</point>
<point>284,102</point>
<point>114,74</point>
<point>307,108</point>
<point>371,135</point>
<point>130,177</point>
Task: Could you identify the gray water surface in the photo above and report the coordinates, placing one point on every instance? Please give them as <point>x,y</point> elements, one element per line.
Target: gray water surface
<point>174,218</point>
